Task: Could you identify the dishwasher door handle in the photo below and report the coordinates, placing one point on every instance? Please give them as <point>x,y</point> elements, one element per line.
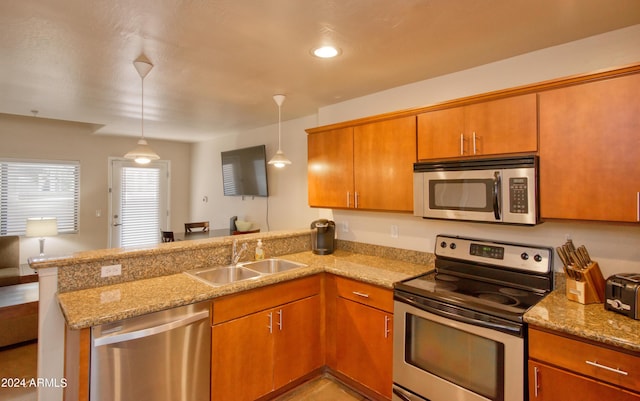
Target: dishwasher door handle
<point>150,331</point>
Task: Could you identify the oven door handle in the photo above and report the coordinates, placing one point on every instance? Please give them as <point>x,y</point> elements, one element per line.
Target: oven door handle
<point>515,329</point>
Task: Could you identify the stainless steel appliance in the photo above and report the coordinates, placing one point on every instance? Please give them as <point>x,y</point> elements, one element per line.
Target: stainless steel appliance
<point>458,332</point>
<point>622,294</point>
<point>497,190</point>
<point>323,237</point>
<point>162,356</point>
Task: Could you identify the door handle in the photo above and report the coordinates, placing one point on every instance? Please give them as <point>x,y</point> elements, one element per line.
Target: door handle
<point>387,319</point>
<point>279,312</point>
<point>474,143</point>
<point>605,367</point>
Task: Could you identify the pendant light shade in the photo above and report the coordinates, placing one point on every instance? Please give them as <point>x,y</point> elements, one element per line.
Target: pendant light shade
<point>279,159</point>
<point>142,153</point>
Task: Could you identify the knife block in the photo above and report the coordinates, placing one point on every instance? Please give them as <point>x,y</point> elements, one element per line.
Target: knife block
<point>589,289</point>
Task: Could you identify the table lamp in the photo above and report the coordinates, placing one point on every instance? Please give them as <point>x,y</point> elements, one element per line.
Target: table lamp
<point>42,227</point>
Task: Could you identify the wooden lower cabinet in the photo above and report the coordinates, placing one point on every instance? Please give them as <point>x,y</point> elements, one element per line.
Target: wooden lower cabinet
<point>256,353</point>
<point>364,347</point>
<point>297,340</point>
<point>547,383</point>
<point>566,368</point>
<point>360,335</point>
<point>242,358</point>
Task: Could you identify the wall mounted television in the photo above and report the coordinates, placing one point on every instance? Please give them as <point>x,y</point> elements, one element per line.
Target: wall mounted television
<point>244,171</point>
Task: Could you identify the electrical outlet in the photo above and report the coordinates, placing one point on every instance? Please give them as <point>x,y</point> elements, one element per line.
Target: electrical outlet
<point>111,270</point>
<point>394,231</point>
<point>345,226</point>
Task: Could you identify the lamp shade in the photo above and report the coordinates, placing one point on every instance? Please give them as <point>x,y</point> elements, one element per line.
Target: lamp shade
<point>142,153</point>
<point>42,227</point>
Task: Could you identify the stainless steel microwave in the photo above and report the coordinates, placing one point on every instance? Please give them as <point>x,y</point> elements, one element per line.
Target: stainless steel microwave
<point>496,190</point>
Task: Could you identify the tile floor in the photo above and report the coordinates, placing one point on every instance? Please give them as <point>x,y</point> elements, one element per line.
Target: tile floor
<point>20,362</point>
<point>323,388</point>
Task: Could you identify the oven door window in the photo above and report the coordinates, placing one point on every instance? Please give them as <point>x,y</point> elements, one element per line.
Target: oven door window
<point>465,359</point>
<point>461,194</point>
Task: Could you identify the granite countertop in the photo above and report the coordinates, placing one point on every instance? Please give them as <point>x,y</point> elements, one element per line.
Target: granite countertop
<point>90,307</point>
<point>592,322</point>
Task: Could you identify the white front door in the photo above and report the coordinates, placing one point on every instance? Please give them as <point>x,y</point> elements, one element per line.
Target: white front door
<point>139,203</point>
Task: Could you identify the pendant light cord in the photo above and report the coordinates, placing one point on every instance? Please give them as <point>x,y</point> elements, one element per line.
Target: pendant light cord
<point>142,110</point>
<point>279,127</point>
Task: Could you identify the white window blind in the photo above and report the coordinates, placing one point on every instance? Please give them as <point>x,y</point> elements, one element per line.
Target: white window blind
<point>140,205</point>
<point>39,189</point>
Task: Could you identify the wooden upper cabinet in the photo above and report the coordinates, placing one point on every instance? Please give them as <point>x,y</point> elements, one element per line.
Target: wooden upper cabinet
<point>330,167</point>
<point>590,151</point>
<point>494,127</point>
<point>369,166</point>
<point>383,157</point>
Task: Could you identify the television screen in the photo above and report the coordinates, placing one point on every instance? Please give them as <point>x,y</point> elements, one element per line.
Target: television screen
<point>244,172</point>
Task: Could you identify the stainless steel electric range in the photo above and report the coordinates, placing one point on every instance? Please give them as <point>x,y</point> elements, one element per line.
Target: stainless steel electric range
<point>459,332</point>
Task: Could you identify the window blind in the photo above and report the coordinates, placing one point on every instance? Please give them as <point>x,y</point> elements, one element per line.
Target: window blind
<point>140,205</point>
<point>39,189</point>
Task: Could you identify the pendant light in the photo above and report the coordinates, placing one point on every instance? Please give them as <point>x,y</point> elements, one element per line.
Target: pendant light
<point>279,160</point>
<point>142,153</point>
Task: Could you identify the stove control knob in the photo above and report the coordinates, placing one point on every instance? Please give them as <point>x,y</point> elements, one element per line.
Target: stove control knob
<point>524,256</point>
<point>453,245</point>
<point>537,258</point>
<point>443,244</point>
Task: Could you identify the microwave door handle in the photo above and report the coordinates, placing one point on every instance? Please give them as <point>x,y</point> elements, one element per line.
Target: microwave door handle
<point>496,195</point>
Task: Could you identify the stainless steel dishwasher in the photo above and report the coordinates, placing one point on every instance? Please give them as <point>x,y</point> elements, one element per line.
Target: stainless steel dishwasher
<point>162,356</point>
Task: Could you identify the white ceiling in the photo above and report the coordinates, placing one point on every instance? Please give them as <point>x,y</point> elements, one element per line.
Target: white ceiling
<point>218,62</point>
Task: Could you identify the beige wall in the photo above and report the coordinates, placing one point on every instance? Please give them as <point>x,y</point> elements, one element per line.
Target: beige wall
<point>285,208</point>
<point>615,246</point>
<point>40,138</point>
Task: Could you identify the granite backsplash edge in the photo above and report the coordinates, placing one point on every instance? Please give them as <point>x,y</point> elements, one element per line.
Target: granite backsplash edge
<point>83,270</point>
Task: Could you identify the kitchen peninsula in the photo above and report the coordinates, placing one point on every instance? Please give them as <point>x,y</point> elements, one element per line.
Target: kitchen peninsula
<point>152,279</point>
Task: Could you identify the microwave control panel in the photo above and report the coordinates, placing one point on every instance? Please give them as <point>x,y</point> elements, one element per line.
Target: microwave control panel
<point>518,195</point>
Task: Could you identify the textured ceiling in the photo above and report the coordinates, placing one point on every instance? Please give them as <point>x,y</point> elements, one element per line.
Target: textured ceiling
<point>218,62</point>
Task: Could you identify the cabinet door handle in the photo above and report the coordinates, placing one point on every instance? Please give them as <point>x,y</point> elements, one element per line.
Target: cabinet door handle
<point>348,199</point>
<point>280,319</point>
<point>461,144</point>
<point>637,206</point>
<point>360,294</point>
<point>270,325</point>
<point>386,326</point>
<point>474,142</point>
<point>536,382</point>
<point>610,369</point>
<point>357,198</point>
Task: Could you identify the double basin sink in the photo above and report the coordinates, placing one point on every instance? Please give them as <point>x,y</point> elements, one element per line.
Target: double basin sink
<point>217,276</point>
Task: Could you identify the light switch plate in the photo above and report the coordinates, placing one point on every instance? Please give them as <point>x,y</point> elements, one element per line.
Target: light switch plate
<point>111,270</point>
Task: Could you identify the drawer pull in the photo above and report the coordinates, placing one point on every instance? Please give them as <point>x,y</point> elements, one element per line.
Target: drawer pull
<point>597,365</point>
<point>360,294</point>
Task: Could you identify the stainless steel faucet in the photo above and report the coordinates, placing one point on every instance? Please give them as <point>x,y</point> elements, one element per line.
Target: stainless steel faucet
<point>235,255</point>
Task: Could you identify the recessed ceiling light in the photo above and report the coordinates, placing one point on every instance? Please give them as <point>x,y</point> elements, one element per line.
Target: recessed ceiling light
<point>326,52</point>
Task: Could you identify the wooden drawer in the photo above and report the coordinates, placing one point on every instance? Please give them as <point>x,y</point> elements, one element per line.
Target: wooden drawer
<point>618,368</point>
<point>244,303</point>
<point>366,294</point>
